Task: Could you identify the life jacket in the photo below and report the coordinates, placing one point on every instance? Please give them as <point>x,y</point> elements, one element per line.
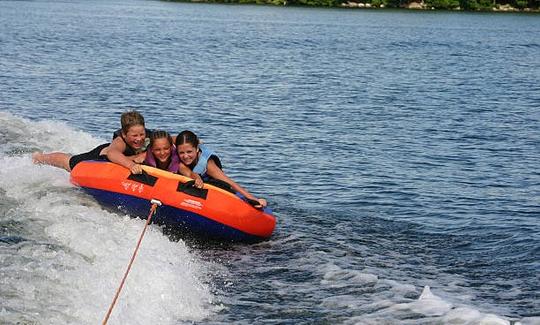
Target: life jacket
<point>202,164</point>
<point>130,151</point>
<point>150,160</point>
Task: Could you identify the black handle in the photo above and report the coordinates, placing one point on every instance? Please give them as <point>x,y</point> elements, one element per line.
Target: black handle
<point>190,189</point>
<point>144,178</point>
<point>254,203</point>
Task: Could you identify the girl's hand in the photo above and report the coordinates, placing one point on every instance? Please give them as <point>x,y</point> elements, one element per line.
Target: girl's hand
<point>136,168</point>
<point>262,202</point>
<point>198,181</point>
<point>257,203</point>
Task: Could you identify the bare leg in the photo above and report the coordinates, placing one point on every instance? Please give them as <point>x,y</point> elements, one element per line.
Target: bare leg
<point>56,159</point>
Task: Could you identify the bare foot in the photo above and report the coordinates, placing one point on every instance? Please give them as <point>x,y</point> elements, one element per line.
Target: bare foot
<point>37,157</point>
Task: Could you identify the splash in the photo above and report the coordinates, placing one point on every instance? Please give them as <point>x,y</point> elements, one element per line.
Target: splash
<point>64,255</point>
<point>391,300</point>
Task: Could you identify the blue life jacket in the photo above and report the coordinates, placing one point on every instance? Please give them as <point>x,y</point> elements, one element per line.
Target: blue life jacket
<point>202,164</point>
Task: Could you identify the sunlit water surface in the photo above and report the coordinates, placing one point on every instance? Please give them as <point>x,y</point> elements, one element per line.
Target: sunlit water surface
<point>398,150</point>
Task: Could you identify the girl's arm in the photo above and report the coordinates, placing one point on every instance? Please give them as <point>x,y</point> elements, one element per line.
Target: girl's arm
<point>184,170</point>
<point>214,171</point>
<point>115,153</point>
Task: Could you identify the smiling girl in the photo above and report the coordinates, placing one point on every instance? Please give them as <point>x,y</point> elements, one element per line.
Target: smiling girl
<point>126,148</point>
<point>162,152</point>
<point>201,163</point>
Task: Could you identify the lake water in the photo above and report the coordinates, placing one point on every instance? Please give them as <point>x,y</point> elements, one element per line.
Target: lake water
<point>399,151</point>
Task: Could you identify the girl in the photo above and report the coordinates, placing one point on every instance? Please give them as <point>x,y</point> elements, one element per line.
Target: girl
<point>162,152</point>
<point>200,163</point>
<point>124,150</point>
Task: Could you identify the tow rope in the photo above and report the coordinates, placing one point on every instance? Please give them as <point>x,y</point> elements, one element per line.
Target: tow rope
<point>155,204</point>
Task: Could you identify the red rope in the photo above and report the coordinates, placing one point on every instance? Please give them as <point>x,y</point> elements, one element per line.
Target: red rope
<point>152,212</point>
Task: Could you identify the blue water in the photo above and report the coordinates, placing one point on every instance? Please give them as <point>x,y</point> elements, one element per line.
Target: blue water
<point>397,149</point>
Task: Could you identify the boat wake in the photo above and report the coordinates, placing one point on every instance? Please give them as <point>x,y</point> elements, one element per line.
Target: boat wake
<point>63,255</point>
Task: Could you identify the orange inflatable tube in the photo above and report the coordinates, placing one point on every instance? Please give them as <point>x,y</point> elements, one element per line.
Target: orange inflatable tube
<point>212,212</point>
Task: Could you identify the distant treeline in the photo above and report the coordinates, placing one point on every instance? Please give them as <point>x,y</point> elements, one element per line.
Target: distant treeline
<point>472,5</point>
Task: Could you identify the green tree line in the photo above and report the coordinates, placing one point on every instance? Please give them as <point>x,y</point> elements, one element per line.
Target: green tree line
<point>472,5</point>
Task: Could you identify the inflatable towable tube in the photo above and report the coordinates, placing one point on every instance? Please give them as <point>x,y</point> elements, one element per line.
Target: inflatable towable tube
<point>211,212</point>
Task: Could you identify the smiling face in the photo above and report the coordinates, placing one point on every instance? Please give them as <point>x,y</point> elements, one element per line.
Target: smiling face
<point>135,136</point>
<point>187,153</point>
<point>161,149</point>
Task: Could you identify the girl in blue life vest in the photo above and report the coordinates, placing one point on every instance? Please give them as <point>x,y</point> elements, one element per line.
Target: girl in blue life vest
<point>162,153</point>
<point>200,163</point>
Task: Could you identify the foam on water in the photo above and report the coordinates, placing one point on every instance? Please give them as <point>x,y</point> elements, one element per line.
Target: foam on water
<point>392,299</point>
<point>428,304</point>
<point>62,256</point>
<point>22,135</point>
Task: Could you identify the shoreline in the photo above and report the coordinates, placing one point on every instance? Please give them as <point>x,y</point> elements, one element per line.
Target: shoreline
<point>422,6</point>
<point>373,5</point>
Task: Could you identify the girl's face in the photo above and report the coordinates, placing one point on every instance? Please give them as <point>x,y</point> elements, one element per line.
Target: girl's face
<point>187,153</point>
<point>161,149</point>
<point>135,136</point>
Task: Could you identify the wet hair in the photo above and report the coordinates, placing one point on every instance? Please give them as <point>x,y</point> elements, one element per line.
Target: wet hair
<point>129,119</point>
<point>160,134</point>
<point>187,136</point>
